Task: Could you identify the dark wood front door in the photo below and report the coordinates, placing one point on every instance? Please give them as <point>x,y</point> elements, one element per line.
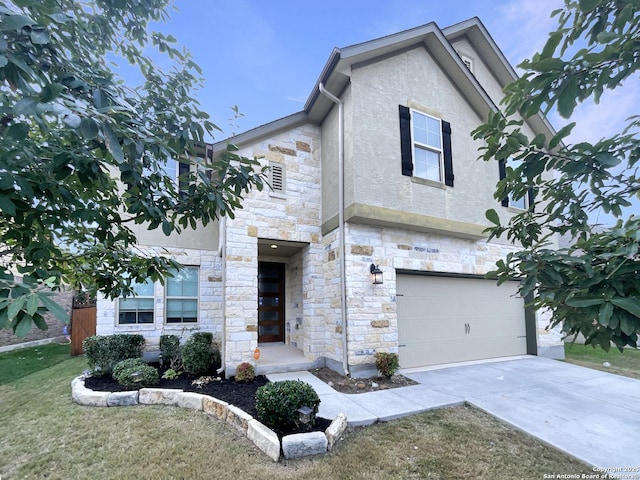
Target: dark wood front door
<point>270,302</point>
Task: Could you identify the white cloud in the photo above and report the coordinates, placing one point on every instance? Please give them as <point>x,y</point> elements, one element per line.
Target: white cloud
<point>605,119</point>
<point>521,27</point>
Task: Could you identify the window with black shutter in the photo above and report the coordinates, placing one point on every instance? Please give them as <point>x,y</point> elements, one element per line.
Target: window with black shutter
<point>523,203</point>
<point>425,146</point>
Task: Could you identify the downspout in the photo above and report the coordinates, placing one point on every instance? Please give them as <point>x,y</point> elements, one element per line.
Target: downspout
<point>341,241</point>
<point>222,253</point>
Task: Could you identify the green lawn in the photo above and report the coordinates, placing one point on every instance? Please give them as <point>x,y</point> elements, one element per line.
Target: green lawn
<point>43,434</point>
<point>25,361</point>
<point>625,363</point>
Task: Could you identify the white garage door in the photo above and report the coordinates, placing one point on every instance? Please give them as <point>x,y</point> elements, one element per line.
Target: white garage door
<point>449,319</point>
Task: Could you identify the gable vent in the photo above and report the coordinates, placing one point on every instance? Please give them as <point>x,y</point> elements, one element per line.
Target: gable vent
<point>278,186</point>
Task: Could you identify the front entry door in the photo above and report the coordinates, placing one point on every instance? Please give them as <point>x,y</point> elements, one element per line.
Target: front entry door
<point>270,302</point>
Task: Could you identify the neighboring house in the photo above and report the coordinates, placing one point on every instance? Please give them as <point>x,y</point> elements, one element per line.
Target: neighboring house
<point>389,121</point>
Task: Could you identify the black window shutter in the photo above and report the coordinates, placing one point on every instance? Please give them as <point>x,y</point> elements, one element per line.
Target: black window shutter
<point>532,198</point>
<point>502,165</point>
<point>405,141</point>
<point>448,159</point>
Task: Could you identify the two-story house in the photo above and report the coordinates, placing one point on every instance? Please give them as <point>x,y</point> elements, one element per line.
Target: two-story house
<point>371,236</point>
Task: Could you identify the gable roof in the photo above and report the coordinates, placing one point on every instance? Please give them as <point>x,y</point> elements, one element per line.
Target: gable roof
<point>336,73</point>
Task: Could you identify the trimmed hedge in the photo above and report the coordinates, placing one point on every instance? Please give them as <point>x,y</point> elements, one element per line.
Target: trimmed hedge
<point>196,355</point>
<point>103,352</point>
<point>277,402</point>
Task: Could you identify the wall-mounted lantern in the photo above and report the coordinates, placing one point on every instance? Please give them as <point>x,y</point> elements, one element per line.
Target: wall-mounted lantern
<point>376,275</point>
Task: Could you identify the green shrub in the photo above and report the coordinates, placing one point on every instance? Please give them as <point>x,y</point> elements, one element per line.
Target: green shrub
<point>196,355</point>
<point>96,348</point>
<point>135,375</point>
<point>204,337</point>
<point>103,352</point>
<point>245,372</point>
<point>277,402</point>
<point>387,363</point>
<point>119,367</point>
<point>170,350</point>
<point>171,374</point>
<point>126,346</point>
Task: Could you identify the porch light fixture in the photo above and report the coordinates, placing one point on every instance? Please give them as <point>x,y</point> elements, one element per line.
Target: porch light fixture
<point>376,274</point>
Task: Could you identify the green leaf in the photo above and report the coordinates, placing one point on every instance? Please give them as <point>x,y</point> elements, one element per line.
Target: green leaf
<point>588,5</point>
<point>564,131</point>
<point>88,128</point>
<point>630,304</point>
<point>583,302</point>
<point>7,206</point>
<point>23,327</point>
<point>25,106</point>
<point>492,216</point>
<point>18,131</point>
<point>53,307</point>
<point>567,99</point>
<point>16,22</point>
<point>552,44</point>
<point>32,304</point>
<point>40,322</point>
<point>112,143</point>
<point>51,92</point>
<point>100,98</point>
<point>166,227</point>
<point>605,313</point>
<point>627,325</point>
<point>3,61</point>
<point>15,307</point>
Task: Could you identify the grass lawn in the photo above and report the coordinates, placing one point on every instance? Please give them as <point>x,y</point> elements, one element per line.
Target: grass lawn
<point>25,361</point>
<point>44,435</point>
<point>625,363</point>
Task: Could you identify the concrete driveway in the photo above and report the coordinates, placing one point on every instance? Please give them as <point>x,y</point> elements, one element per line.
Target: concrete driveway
<point>591,415</point>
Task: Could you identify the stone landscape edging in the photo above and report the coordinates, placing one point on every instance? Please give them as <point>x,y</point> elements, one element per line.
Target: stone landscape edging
<point>293,446</point>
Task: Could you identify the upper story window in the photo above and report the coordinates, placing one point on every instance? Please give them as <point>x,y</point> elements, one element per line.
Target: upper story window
<point>138,309</point>
<point>425,146</point>
<point>176,170</point>
<point>522,203</point>
<point>182,296</point>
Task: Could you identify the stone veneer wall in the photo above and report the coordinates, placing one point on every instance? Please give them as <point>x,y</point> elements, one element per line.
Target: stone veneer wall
<point>209,305</point>
<point>372,308</point>
<point>292,216</point>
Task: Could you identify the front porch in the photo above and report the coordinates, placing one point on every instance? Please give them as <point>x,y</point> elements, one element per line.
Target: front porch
<point>276,357</point>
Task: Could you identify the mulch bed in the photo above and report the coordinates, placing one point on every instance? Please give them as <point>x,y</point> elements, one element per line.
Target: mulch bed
<point>239,394</point>
<point>349,385</point>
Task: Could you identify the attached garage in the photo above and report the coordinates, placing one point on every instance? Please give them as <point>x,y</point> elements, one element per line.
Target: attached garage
<point>446,319</point>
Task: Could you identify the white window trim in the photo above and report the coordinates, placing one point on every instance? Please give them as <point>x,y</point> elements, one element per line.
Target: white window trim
<point>196,298</point>
<point>424,146</point>
<point>136,325</point>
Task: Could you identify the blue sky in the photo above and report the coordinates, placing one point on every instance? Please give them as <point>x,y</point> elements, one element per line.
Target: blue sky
<point>265,56</point>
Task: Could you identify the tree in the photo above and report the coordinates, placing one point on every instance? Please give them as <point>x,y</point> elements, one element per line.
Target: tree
<point>83,156</point>
<point>592,286</point>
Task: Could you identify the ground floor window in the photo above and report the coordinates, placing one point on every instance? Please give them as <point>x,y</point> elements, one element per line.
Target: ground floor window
<point>182,296</point>
<point>139,308</point>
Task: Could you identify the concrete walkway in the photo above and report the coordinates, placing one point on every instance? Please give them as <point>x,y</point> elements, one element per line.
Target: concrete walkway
<point>591,415</point>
